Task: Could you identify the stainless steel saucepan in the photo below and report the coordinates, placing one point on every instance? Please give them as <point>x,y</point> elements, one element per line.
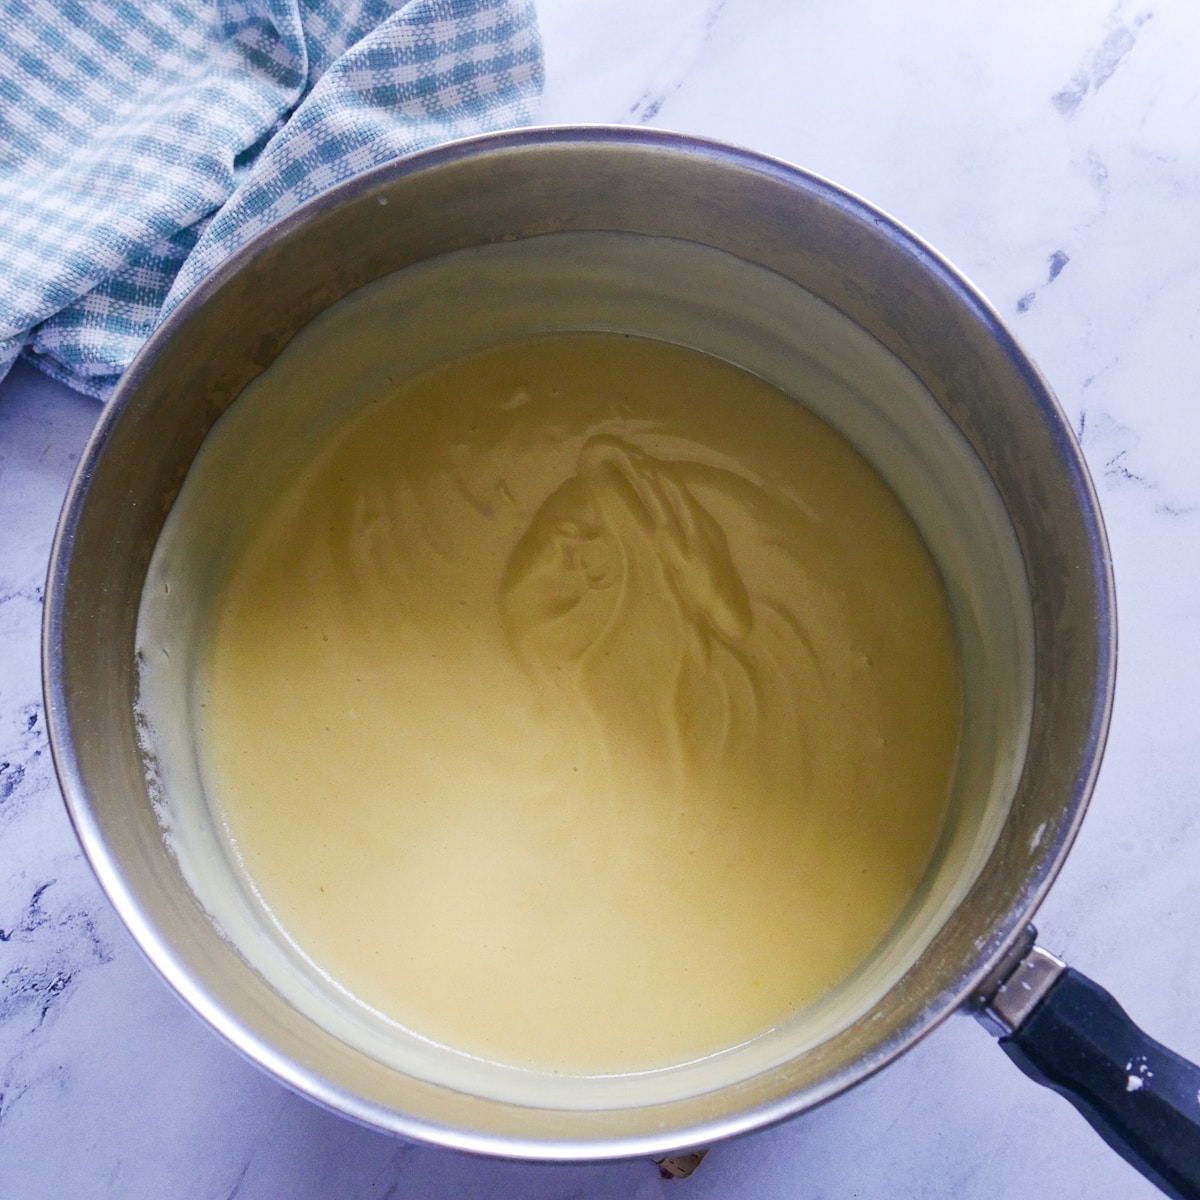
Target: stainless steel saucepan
<point>792,278</point>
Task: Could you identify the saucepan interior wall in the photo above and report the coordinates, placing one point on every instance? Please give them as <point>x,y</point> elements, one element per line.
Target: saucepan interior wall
<point>664,288</point>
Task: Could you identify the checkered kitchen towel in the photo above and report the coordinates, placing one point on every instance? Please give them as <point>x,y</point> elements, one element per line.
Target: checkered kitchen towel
<point>142,141</point>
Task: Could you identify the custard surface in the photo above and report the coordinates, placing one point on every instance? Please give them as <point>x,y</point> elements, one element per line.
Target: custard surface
<point>586,704</point>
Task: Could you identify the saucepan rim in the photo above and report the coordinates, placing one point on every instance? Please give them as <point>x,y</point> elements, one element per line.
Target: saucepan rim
<point>993,941</point>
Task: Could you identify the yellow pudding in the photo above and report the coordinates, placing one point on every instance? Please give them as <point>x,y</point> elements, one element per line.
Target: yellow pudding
<point>585,704</point>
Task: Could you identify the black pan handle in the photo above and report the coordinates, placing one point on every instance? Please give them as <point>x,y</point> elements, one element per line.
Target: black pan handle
<point>1068,1033</point>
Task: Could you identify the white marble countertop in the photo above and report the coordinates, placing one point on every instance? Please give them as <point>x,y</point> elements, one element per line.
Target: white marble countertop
<point>1052,152</point>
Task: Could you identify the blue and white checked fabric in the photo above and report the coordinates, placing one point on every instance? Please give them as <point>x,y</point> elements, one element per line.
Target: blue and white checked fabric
<point>142,141</point>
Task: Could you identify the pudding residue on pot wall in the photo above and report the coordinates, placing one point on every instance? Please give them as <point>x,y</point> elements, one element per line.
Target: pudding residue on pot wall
<point>586,704</point>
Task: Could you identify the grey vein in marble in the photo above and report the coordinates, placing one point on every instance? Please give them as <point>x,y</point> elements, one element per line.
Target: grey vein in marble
<point>674,72</point>
<point>1102,62</point>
